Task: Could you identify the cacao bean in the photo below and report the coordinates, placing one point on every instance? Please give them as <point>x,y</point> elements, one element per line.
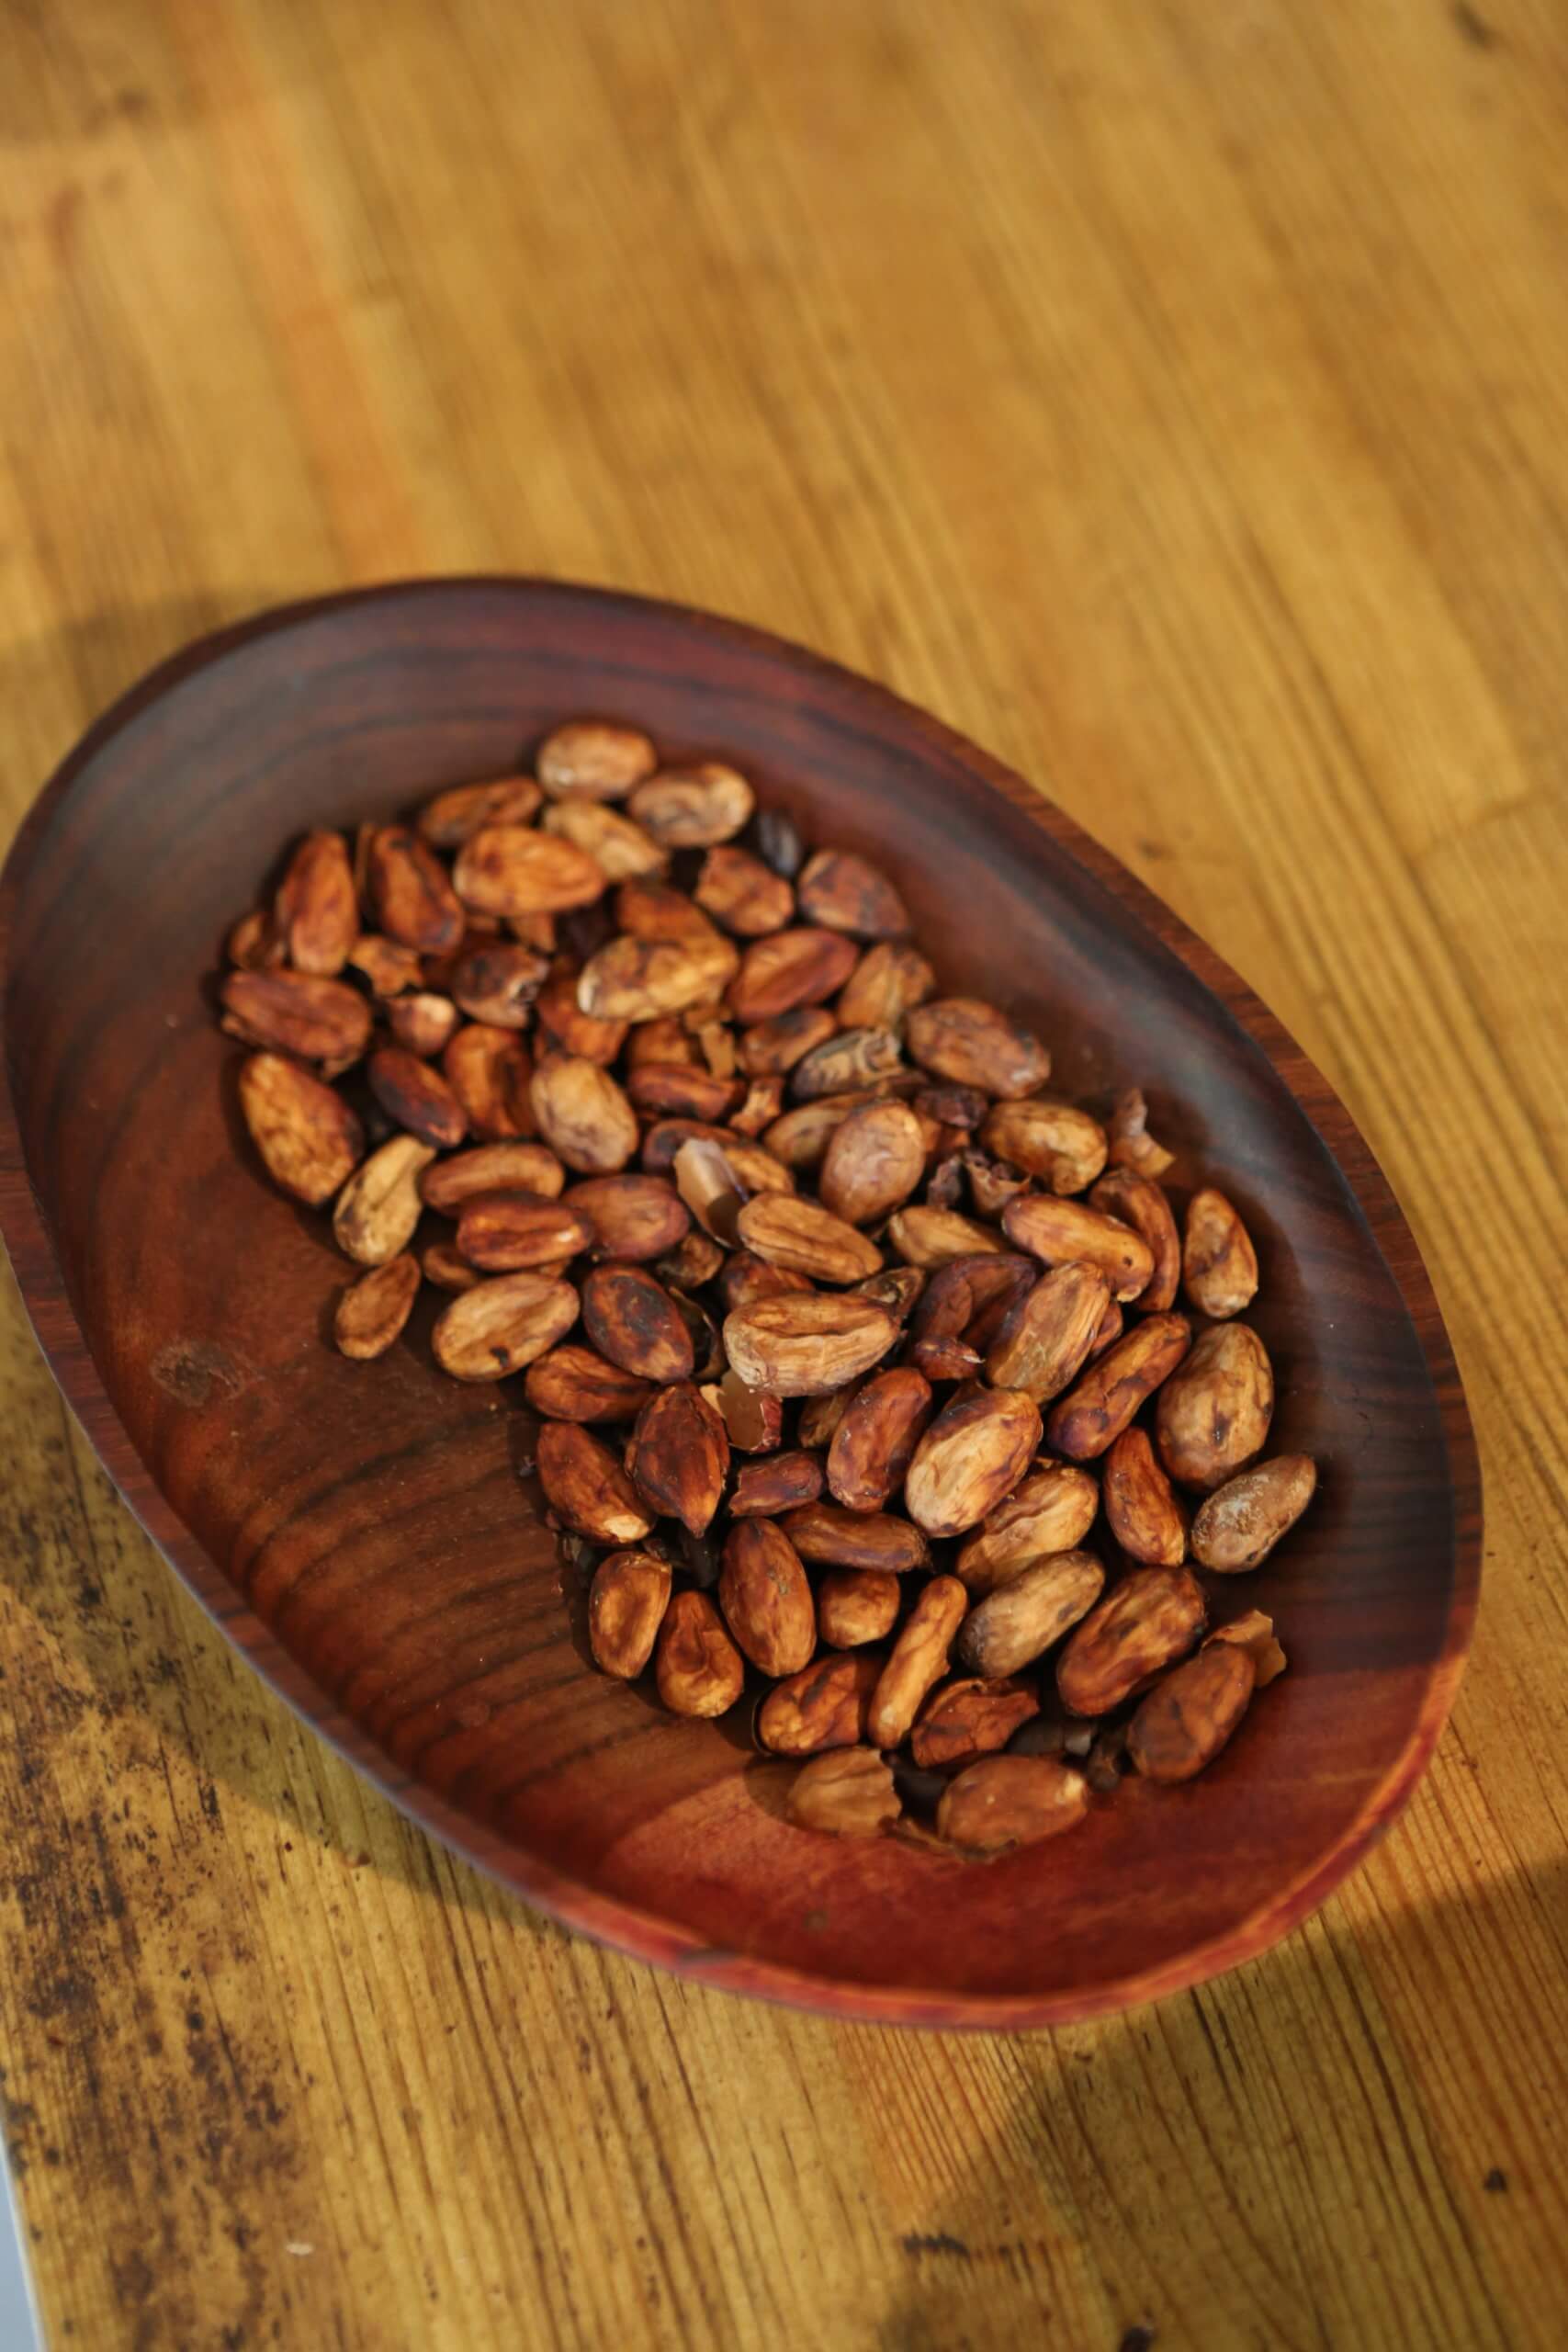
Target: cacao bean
<point>594,759</point>
<point>974,1454</point>
<point>492,1168</point>
<point>1052,1140</point>
<point>885,987</point>
<point>1151,1619</point>
<point>1139,1202</point>
<point>857,1605</point>
<point>680,1458</point>
<point>973,1045</point>
<point>1187,1719</point>
<point>832,1537</point>
<point>699,1669</point>
<point>309,1139</point>
<point>450,818</point>
<point>875,1442</point>
<point>917,1661</point>
<point>626,1603</point>
<point>763,1490</point>
<point>1087,1419</point>
<point>765,1598</point>
<point>574,1384</point>
<point>742,894</point>
<point>1219,1265</point>
<point>807,1345</point>
<point>585,1486</point>
<point>965,1720</point>
<point>377,1209</point>
<point>372,1312</point>
<point>1213,1413</point>
<point>849,1792</point>
<point>788,969</point>
<point>1022,1619</point>
<point>823,1706</point>
<point>316,913</point>
<point>1045,1340</point>
<point>693,807</point>
<point>1008,1800</point>
<point>1140,1507</point>
<point>500,1325</point>
<point>1240,1524</point>
<point>1052,1511</point>
<point>1063,1231</point>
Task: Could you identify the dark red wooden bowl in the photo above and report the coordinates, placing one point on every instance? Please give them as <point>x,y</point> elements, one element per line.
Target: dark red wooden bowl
<point>360,1532</point>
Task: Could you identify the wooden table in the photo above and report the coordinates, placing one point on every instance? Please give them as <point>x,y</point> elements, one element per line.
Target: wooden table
<point>1175,398</point>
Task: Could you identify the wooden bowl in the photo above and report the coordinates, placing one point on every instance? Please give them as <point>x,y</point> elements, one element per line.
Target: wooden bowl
<point>360,1532</point>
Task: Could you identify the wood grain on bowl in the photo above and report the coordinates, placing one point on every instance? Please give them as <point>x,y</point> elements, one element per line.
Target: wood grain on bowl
<point>361,1533</point>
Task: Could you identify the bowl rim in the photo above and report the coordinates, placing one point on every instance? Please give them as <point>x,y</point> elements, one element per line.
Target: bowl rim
<point>625,1926</point>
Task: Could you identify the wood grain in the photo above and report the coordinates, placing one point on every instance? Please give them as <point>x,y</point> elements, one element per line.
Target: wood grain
<point>1173,400</point>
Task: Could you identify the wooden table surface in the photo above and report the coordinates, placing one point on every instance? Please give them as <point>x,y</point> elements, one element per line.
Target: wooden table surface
<point>1176,399</point>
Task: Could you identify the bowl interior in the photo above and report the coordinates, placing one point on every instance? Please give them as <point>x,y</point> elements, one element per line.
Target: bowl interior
<point>363,1530</point>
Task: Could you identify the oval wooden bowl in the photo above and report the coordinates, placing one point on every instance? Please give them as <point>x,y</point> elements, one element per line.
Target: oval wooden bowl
<point>361,1535</point>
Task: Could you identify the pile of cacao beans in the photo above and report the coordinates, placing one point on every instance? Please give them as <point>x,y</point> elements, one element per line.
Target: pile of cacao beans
<point>874,1383</point>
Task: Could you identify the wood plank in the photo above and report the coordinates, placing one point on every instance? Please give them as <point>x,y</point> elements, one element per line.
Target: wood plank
<point>1172,399</point>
